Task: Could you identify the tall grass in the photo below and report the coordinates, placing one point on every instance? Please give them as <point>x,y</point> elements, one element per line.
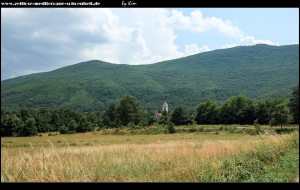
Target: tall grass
<point>249,158</point>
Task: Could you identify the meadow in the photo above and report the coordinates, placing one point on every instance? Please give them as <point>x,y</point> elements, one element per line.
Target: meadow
<point>192,154</point>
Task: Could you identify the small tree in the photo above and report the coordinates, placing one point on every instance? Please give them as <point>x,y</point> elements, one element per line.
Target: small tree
<point>129,110</point>
<point>163,120</point>
<point>92,117</point>
<point>171,128</point>
<point>263,111</point>
<point>179,116</point>
<point>152,120</point>
<point>84,125</point>
<point>106,121</point>
<point>24,114</point>
<point>72,125</point>
<point>207,113</point>
<point>111,113</point>
<point>10,125</point>
<point>280,115</point>
<point>63,129</point>
<point>257,126</point>
<point>29,128</point>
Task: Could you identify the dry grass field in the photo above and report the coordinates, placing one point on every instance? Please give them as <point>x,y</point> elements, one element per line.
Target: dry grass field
<point>104,157</point>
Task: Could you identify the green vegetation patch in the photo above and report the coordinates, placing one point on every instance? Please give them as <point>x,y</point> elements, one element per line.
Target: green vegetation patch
<point>263,164</point>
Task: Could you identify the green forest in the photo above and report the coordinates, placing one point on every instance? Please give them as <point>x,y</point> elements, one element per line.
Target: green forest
<point>129,112</point>
<point>259,72</point>
<point>256,84</point>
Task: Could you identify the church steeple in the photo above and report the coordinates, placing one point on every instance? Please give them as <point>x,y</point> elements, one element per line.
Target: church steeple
<point>165,107</point>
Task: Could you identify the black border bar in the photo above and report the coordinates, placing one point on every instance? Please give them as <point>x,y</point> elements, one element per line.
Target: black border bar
<point>125,4</point>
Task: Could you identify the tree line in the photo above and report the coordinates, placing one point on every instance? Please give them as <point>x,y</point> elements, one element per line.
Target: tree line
<point>128,112</point>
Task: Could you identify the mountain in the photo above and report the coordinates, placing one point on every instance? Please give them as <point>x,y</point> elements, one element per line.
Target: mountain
<point>258,72</point>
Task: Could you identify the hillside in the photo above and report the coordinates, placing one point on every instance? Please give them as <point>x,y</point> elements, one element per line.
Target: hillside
<point>259,72</point>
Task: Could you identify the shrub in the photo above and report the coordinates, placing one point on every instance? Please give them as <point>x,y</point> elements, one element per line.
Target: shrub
<point>171,128</point>
<point>285,130</point>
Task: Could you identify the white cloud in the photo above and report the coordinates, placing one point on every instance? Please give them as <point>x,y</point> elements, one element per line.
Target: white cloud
<point>247,41</point>
<point>53,38</point>
<point>197,23</point>
<point>158,35</point>
<point>191,49</point>
<point>205,48</point>
<point>161,42</point>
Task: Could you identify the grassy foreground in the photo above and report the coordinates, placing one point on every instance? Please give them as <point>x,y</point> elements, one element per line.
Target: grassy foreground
<point>179,157</point>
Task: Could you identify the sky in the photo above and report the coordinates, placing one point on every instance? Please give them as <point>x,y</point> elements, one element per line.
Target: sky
<point>37,40</point>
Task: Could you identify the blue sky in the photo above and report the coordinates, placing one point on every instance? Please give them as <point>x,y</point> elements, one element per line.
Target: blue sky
<point>44,39</point>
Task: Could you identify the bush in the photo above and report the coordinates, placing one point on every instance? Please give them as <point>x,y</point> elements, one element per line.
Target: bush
<point>285,130</point>
<point>63,129</point>
<point>251,132</point>
<point>241,168</point>
<point>171,128</point>
<point>192,130</point>
<point>257,126</point>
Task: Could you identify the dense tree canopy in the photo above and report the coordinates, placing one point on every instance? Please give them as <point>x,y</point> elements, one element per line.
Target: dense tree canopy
<point>179,116</point>
<point>236,110</point>
<point>280,115</point>
<point>207,113</point>
<point>263,111</point>
<point>129,110</point>
<point>294,104</point>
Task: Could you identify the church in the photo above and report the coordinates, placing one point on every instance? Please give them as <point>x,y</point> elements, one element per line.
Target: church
<point>164,108</point>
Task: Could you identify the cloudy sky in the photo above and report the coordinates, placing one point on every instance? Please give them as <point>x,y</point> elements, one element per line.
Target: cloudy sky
<point>44,39</point>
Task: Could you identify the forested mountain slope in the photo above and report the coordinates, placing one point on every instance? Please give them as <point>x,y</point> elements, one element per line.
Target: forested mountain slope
<point>258,72</point>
